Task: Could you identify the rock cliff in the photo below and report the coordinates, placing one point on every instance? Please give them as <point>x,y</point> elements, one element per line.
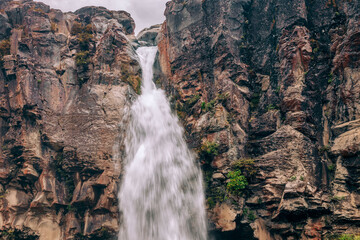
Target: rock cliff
<point>268,92</point>
<point>66,82</point>
<point>270,88</point>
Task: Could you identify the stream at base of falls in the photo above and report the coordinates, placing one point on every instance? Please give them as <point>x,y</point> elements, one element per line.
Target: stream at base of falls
<point>161,194</point>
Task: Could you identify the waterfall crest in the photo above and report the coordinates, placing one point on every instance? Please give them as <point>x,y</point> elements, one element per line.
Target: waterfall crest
<point>161,195</point>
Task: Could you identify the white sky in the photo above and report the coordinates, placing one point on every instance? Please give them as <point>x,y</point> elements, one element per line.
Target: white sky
<point>145,12</point>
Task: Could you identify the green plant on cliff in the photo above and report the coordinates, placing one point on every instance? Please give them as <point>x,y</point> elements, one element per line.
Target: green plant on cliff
<point>82,59</point>
<point>331,167</point>
<point>4,49</point>
<point>271,107</point>
<point>208,106</point>
<point>16,234</point>
<point>251,216</point>
<point>208,151</point>
<point>192,101</point>
<point>246,165</point>
<point>349,237</point>
<point>292,178</point>
<point>343,237</point>
<point>324,149</point>
<point>237,182</point>
<point>331,78</point>
<point>223,98</point>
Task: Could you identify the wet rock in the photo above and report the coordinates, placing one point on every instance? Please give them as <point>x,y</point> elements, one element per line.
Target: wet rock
<point>149,36</point>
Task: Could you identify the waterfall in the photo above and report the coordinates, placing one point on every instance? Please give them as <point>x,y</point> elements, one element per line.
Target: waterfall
<point>161,195</point>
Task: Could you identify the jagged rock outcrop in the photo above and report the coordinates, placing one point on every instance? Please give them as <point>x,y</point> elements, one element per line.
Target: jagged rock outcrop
<point>66,82</point>
<point>274,84</point>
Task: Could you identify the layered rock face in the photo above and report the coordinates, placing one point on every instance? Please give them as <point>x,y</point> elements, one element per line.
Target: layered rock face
<point>66,82</point>
<point>271,87</point>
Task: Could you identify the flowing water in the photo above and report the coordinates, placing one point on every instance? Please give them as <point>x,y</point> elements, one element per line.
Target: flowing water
<point>161,196</point>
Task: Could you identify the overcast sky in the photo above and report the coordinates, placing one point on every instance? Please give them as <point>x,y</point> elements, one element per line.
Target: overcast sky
<point>145,12</point>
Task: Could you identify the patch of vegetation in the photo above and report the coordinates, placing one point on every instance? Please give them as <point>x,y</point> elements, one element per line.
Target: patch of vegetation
<point>82,59</point>
<point>337,198</point>
<point>84,36</point>
<point>192,101</point>
<point>292,178</point>
<point>63,176</point>
<point>332,168</point>
<point>215,195</point>
<point>302,178</point>
<point>344,237</point>
<point>208,107</point>
<point>237,182</point>
<point>16,234</point>
<point>246,165</point>
<point>331,78</point>
<point>223,98</point>
<point>71,208</point>
<point>324,149</point>
<point>277,90</point>
<point>5,46</point>
<point>271,107</point>
<point>208,151</point>
<point>251,216</point>
<point>3,194</point>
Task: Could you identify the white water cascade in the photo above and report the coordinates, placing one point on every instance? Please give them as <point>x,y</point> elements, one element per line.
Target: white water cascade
<point>161,196</point>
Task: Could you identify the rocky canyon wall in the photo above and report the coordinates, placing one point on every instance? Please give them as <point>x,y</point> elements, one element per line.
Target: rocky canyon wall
<point>272,88</point>
<point>66,82</point>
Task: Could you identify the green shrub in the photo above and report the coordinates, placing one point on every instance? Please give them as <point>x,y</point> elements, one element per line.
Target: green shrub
<point>215,195</point>
<point>82,59</point>
<point>76,28</point>
<point>251,216</point>
<point>16,234</point>
<point>292,178</point>
<point>5,46</point>
<point>349,237</point>
<point>331,78</point>
<point>223,98</point>
<point>324,149</point>
<point>84,39</point>
<point>83,34</point>
<point>344,237</point>
<point>192,101</point>
<point>332,167</point>
<point>208,151</point>
<point>237,182</point>
<point>207,107</point>
<point>271,107</point>
<point>246,165</point>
